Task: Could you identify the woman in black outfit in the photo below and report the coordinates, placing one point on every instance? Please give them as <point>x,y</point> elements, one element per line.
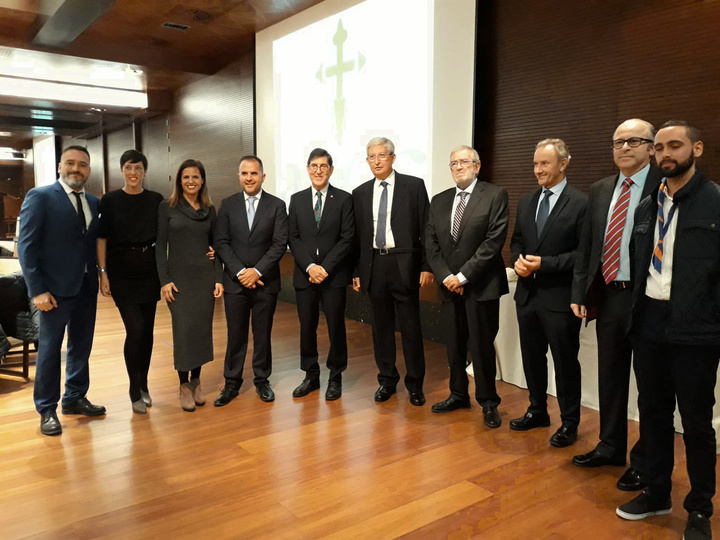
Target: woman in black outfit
<point>126,261</point>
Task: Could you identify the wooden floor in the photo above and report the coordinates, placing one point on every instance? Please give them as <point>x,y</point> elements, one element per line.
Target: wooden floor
<point>299,469</point>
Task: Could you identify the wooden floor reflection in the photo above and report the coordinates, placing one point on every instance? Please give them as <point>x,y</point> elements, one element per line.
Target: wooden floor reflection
<point>303,468</point>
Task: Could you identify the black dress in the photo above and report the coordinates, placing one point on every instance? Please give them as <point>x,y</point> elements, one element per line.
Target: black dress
<point>129,223</point>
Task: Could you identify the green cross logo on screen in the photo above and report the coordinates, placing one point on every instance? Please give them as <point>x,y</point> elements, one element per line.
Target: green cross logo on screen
<point>338,70</point>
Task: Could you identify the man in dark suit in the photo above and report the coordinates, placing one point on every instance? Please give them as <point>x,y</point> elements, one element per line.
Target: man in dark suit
<point>543,248</point>
<point>390,217</point>
<point>602,288</point>
<point>466,231</point>
<point>56,247</point>
<point>322,228</point>
<point>250,239</point>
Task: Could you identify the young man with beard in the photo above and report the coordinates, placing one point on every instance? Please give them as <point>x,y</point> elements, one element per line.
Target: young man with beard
<point>675,327</point>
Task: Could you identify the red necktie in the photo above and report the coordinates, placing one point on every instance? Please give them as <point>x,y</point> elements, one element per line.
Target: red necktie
<point>611,254</point>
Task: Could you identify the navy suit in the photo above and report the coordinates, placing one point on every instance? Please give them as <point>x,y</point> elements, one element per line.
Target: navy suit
<point>56,256</point>
<point>543,300</point>
<point>328,244</point>
<point>261,247</point>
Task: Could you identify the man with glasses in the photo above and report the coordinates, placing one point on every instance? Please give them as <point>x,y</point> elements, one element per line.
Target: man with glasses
<point>322,228</point>
<point>675,328</point>
<point>602,289</point>
<point>466,232</point>
<point>543,248</point>
<point>390,217</point>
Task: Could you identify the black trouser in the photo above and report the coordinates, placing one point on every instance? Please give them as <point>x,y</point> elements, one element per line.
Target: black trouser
<point>540,327</point>
<point>238,308</point>
<point>387,294</point>
<point>139,321</point>
<point>614,362</point>
<point>666,372</point>
<point>332,300</point>
<point>471,326</point>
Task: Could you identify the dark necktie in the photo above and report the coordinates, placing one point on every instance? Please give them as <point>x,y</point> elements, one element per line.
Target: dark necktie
<point>80,211</point>
<point>457,218</point>
<point>318,208</point>
<point>543,211</point>
<point>613,238</point>
<point>382,217</point>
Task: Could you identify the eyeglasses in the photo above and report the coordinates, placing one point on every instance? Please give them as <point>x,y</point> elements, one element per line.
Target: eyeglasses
<point>464,163</point>
<point>323,167</point>
<point>381,157</point>
<point>632,142</point>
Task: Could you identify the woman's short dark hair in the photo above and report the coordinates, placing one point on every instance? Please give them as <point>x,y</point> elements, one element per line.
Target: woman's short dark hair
<point>133,156</point>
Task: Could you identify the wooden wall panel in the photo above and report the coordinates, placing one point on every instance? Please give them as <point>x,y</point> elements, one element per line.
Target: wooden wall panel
<point>576,70</point>
<point>117,143</point>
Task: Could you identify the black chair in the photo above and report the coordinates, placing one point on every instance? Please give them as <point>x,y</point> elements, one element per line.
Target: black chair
<point>19,320</point>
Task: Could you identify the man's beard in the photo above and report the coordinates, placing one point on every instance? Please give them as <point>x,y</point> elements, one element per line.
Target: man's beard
<point>680,168</point>
<point>72,183</point>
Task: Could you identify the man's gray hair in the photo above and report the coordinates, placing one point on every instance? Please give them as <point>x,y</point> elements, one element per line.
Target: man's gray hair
<point>381,141</point>
<point>559,145</point>
<point>474,153</point>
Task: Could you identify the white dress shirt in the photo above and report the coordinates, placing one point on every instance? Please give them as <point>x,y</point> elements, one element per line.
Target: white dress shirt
<point>73,200</point>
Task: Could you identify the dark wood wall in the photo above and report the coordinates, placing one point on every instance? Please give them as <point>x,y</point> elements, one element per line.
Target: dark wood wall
<point>576,70</point>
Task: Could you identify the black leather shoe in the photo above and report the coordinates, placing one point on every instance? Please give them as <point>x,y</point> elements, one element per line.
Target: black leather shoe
<point>596,459</point>
<point>631,480</point>
<point>417,399</point>
<point>530,421</point>
<point>84,407</point>
<point>383,393</point>
<point>492,417</point>
<point>305,387</point>
<point>49,424</point>
<point>265,392</point>
<point>334,391</point>
<point>227,394</point>
<point>564,436</point>
<point>452,403</point>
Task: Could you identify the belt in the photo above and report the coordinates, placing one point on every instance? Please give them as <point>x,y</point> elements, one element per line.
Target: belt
<point>620,285</point>
<point>390,251</point>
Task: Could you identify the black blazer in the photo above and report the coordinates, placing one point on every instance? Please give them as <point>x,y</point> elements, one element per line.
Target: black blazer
<point>407,219</point>
<point>330,244</point>
<point>557,247</point>
<point>260,248</point>
<point>54,252</point>
<point>477,252</point>
<point>589,259</point>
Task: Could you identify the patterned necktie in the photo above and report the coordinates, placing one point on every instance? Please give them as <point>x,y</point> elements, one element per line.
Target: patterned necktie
<point>543,211</point>
<point>613,238</point>
<point>382,217</point>
<point>80,211</point>
<point>251,211</point>
<point>318,208</point>
<point>457,218</point>
<point>663,226</point>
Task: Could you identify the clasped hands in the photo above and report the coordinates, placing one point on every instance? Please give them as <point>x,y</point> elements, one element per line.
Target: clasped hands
<point>527,265</point>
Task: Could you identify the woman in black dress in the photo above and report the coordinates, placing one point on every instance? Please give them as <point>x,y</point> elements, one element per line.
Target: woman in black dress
<point>190,279</point>
<point>126,260</point>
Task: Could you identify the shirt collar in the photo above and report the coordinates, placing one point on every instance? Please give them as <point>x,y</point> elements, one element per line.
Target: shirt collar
<point>257,195</point>
<point>390,180</point>
<point>638,178</point>
<point>558,188</point>
<point>324,191</point>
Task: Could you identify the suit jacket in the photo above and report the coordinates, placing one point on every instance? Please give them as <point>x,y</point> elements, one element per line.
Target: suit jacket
<point>329,244</point>
<point>53,250</point>
<point>557,246</point>
<point>261,247</point>
<point>589,260</point>
<point>408,217</point>
<point>477,252</point>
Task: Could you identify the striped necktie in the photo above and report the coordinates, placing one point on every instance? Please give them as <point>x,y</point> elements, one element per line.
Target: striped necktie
<point>613,238</point>
<point>458,215</point>
<point>663,226</point>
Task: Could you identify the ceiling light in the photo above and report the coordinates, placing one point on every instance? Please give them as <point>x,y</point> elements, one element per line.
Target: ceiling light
<point>71,93</point>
